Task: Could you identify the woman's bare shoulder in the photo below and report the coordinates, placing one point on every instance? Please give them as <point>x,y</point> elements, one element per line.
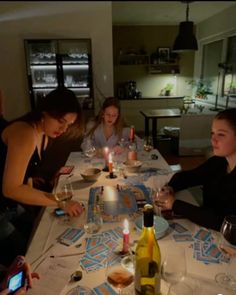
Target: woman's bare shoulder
<point>19,131</point>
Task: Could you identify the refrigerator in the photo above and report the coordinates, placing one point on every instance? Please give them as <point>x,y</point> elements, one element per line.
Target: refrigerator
<point>54,62</point>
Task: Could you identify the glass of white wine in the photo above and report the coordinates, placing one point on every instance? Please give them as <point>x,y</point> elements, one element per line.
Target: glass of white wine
<point>148,144</point>
<point>227,244</point>
<point>89,149</point>
<point>118,276</point>
<point>64,192</point>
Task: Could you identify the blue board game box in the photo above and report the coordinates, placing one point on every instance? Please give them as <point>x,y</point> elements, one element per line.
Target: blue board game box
<point>117,201</point>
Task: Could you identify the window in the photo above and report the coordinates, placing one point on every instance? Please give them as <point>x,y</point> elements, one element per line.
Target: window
<point>212,57</point>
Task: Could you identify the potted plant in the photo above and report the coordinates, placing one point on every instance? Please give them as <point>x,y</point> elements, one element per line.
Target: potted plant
<point>202,88</point>
<point>167,89</point>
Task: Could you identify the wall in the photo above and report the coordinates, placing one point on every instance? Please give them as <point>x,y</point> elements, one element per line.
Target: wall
<point>79,19</point>
<point>150,38</point>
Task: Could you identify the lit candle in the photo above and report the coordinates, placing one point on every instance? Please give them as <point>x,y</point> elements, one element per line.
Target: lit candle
<point>110,165</point>
<point>126,236</point>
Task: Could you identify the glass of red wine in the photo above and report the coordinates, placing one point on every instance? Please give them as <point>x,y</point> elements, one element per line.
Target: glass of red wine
<point>227,244</point>
<point>118,276</point>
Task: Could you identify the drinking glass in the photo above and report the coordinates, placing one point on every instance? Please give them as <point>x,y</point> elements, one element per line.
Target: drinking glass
<point>64,192</point>
<point>94,222</point>
<point>159,193</point>
<point>173,269</point>
<point>89,149</point>
<point>180,289</point>
<point>148,144</point>
<point>118,276</point>
<point>227,244</point>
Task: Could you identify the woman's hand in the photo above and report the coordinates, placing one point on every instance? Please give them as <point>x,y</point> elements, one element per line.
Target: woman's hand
<point>166,198</point>
<point>29,276</point>
<point>73,208</point>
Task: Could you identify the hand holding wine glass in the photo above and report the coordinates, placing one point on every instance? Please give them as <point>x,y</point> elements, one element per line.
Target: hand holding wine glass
<point>227,244</point>
<point>64,194</point>
<point>162,193</point>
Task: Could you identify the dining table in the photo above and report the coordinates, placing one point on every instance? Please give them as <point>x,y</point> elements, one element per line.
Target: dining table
<point>153,115</point>
<point>57,262</point>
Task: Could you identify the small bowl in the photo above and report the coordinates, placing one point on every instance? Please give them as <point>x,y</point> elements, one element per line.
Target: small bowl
<point>91,174</point>
<point>133,165</point>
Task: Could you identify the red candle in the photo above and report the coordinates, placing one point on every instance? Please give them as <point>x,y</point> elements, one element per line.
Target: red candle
<point>126,237</point>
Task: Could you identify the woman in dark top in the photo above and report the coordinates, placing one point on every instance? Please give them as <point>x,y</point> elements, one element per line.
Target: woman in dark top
<point>217,177</point>
<point>22,143</point>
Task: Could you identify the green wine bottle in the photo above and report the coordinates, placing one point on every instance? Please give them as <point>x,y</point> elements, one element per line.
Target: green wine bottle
<point>148,258</point>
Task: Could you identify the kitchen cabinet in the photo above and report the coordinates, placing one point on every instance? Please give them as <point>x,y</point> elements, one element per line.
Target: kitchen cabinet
<point>146,60</point>
<point>54,62</point>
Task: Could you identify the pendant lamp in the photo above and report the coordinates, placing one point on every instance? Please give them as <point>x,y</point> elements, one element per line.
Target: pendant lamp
<point>185,41</point>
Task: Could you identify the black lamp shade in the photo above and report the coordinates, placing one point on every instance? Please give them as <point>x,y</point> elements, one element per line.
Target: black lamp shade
<point>185,41</point>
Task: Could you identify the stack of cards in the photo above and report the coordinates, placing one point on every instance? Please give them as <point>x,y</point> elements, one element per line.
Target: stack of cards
<point>70,236</point>
<point>98,247</point>
<point>205,249</point>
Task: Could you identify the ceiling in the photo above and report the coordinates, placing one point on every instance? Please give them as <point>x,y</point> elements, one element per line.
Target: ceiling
<point>164,12</point>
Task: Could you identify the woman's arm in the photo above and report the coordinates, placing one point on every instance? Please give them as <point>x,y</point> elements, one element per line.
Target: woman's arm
<point>21,143</point>
<point>197,176</point>
<point>20,139</point>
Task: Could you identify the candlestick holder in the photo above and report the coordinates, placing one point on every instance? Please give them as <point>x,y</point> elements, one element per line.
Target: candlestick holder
<point>111,175</point>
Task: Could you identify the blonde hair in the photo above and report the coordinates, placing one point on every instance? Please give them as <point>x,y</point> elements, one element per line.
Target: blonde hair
<point>119,123</point>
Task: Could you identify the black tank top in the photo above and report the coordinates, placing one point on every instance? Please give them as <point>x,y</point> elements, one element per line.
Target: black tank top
<point>30,171</point>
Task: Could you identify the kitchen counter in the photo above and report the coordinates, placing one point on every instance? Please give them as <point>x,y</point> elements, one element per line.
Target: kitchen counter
<point>153,98</point>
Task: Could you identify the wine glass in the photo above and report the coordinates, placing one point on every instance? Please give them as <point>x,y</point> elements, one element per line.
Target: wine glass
<point>118,276</point>
<point>159,193</point>
<point>180,288</point>
<point>227,244</point>
<point>173,269</point>
<point>148,144</point>
<point>94,221</point>
<point>64,192</point>
<point>89,149</point>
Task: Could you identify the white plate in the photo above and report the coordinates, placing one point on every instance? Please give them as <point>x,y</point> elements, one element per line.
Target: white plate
<point>161,225</point>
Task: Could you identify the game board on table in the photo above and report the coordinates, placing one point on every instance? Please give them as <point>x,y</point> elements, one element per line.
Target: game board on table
<point>119,200</point>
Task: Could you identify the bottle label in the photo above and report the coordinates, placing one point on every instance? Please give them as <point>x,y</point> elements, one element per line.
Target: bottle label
<point>147,281</point>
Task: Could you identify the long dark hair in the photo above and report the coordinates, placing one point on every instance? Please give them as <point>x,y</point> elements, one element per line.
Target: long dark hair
<point>228,115</point>
<point>119,124</point>
<point>57,104</point>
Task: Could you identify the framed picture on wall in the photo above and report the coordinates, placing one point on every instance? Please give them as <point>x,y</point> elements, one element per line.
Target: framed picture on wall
<point>164,55</point>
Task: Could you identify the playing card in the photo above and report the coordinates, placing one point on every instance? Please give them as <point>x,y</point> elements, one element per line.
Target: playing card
<point>203,235</point>
<point>178,227</point>
<point>66,169</point>
<point>70,236</point>
<point>183,237</point>
<point>104,289</point>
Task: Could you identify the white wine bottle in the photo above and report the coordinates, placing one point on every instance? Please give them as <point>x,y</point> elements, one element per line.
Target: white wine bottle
<point>148,258</point>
